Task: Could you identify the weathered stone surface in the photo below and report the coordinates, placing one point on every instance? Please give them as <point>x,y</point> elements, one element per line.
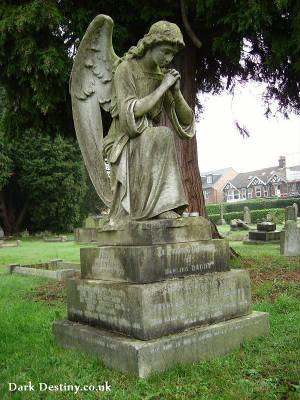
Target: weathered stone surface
<point>238,225</point>
<point>68,265</point>
<point>295,205</point>
<point>9,244</point>
<point>58,275</point>
<point>144,358</point>
<point>289,241</point>
<point>151,232</point>
<point>143,264</point>
<point>85,235</point>
<point>261,236</point>
<point>221,221</point>
<point>290,213</point>
<point>266,226</point>
<point>247,215</point>
<point>147,311</point>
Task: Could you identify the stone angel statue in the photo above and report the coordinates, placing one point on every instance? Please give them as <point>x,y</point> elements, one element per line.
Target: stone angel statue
<point>144,180</point>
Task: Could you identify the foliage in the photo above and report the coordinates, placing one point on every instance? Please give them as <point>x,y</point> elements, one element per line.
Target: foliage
<point>255,204</point>
<point>91,203</point>
<point>49,176</point>
<point>214,208</point>
<point>255,215</point>
<point>241,41</point>
<point>6,166</point>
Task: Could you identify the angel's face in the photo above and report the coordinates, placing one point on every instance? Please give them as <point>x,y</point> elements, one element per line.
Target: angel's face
<point>163,54</point>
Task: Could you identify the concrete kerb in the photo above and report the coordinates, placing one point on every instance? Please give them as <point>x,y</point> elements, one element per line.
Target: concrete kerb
<point>57,274</point>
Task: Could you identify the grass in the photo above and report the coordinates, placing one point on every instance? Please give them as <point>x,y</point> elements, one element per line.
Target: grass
<point>36,251</point>
<point>263,368</point>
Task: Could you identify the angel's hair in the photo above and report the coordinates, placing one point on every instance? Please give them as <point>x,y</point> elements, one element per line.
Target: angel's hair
<point>160,32</point>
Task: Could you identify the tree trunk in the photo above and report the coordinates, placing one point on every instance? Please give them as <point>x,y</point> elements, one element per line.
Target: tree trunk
<point>185,63</point>
<point>187,154</point>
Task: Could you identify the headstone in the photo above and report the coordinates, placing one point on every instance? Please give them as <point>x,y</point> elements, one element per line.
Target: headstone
<point>295,205</point>
<point>247,215</point>
<point>221,220</point>
<point>289,241</point>
<point>238,225</point>
<point>1,232</point>
<point>91,222</point>
<point>290,213</point>
<point>270,217</point>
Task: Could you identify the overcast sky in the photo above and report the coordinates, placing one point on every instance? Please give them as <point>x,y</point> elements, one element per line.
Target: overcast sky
<point>220,145</point>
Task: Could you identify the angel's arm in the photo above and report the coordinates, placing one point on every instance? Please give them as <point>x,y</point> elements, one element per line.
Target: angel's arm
<point>183,111</point>
<point>144,105</point>
<point>179,113</point>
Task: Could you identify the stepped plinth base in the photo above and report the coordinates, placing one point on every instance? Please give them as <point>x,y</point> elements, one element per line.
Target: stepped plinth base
<point>143,358</point>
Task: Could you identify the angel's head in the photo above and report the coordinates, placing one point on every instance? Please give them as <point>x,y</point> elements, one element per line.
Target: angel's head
<point>162,33</point>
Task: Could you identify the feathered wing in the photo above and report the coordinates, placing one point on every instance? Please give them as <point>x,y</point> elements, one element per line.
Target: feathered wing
<point>91,85</point>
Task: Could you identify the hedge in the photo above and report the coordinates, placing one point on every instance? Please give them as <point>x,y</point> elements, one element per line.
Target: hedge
<point>255,215</point>
<point>260,204</point>
<point>214,208</point>
<point>257,204</point>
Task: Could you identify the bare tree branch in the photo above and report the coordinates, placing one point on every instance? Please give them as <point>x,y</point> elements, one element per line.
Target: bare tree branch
<point>188,27</point>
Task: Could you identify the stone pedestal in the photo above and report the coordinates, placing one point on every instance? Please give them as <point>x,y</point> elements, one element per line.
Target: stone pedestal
<point>156,293</point>
<point>265,233</point>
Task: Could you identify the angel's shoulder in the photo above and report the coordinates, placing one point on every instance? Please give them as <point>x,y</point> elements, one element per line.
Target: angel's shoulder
<point>126,67</point>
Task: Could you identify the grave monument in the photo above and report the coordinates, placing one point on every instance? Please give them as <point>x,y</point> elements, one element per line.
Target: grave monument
<point>156,289</point>
<point>265,232</point>
<point>247,215</point>
<point>289,240</point>
<point>221,220</point>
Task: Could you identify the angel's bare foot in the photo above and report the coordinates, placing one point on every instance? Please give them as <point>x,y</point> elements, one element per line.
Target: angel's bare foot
<point>168,215</point>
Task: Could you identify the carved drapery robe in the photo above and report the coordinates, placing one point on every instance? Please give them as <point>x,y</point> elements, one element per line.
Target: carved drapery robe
<point>145,176</point>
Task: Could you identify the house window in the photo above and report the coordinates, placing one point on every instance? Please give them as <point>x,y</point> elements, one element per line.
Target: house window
<point>244,194</point>
<point>206,194</point>
<point>266,194</point>
<point>277,190</point>
<point>230,195</point>
<point>250,193</point>
<point>209,179</point>
<point>257,191</point>
<point>236,195</point>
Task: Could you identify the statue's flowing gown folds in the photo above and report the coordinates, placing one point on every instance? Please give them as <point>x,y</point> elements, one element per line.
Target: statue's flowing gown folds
<point>145,178</point>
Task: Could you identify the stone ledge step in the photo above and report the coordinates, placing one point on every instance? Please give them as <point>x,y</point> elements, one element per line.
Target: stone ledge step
<point>143,358</point>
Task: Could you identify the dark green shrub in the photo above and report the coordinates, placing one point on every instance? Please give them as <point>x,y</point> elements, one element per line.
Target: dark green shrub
<point>260,204</point>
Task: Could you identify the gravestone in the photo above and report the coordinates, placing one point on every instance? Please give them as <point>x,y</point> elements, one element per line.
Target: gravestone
<point>290,213</point>
<point>289,241</point>
<point>247,215</point>
<point>238,225</point>
<point>1,232</point>
<point>156,293</point>
<point>88,233</point>
<point>155,290</point>
<point>265,232</point>
<point>295,205</point>
<point>221,220</point>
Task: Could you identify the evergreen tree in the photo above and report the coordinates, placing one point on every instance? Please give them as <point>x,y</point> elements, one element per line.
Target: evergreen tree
<point>43,185</point>
<point>236,40</point>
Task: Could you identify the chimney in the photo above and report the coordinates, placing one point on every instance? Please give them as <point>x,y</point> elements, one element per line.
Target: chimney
<point>281,162</point>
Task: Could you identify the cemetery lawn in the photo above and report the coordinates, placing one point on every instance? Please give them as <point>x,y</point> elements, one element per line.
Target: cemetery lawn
<point>264,368</point>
